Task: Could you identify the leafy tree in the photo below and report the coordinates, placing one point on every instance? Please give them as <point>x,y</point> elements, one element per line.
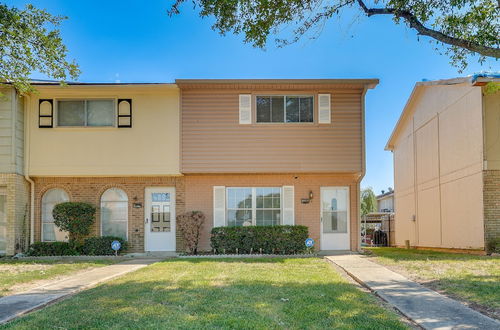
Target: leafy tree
<point>368,201</point>
<point>74,217</point>
<point>465,27</point>
<point>30,41</point>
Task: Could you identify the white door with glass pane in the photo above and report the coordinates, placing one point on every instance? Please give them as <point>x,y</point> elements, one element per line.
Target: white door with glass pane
<point>335,218</point>
<point>159,219</point>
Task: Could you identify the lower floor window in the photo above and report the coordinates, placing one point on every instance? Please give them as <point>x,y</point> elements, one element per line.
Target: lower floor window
<point>50,232</point>
<point>248,206</point>
<point>114,213</point>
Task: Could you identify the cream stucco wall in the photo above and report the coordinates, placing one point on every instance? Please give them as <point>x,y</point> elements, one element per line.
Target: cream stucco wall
<point>150,147</point>
<point>438,159</point>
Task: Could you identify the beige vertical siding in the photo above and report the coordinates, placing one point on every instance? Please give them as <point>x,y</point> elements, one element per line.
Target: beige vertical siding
<point>438,169</point>
<point>19,134</point>
<point>6,130</point>
<point>11,132</point>
<point>213,141</point>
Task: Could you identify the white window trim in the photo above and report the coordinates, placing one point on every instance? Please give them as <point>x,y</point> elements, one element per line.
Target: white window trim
<point>41,213</point>
<point>100,213</point>
<point>284,109</point>
<point>55,113</point>
<point>254,204</point>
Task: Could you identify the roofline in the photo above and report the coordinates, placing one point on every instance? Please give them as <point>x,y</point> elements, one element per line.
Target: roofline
<point>389,193</point>
<point>370,83</point>
<point>97,84</point>
<point>479,79</point>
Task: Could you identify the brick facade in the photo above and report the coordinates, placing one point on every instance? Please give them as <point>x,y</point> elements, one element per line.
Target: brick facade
<point>199,196</point>
<point>16,188</point>
<point>491,200</point>
<point>195,192</point>
<point>90,189</point>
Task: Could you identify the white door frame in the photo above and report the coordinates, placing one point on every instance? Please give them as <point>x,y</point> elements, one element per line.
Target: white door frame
<point>159,241</point>
<point>344,239</point>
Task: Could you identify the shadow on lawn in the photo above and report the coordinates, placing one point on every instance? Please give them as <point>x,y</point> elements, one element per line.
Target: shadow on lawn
<point>217,302</point>
<point>398,254</point>
<point>479,292</point>
<point>270,260</point>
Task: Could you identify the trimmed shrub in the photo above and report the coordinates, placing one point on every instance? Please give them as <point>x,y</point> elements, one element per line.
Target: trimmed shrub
<point>42,249</point>
<point>101,246</point>
<point>190,225</point>
<point>75,218</point>
<point>271,239</point>
<point>493,245</point>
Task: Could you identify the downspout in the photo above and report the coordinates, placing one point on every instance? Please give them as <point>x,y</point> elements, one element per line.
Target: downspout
<point>363,164</point>
<point>27,134</point>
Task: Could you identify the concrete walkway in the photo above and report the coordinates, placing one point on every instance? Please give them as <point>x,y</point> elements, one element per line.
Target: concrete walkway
<point>425,307</point>
<point>22,303</point>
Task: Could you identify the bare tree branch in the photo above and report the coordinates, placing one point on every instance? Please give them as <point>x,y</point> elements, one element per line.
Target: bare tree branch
<point>423,30</point>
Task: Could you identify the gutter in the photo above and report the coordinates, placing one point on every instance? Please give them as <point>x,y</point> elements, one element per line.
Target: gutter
<point>27,107</point>
<point>363,160</point>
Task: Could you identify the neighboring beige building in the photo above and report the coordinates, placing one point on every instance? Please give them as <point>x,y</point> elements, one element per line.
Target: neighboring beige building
<point>385,201</point>
<point>446,150</point>
<point>245,152</point>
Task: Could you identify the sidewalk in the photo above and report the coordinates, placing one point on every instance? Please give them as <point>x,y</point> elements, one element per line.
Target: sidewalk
<point>425,307</point>
<point>19,304</point>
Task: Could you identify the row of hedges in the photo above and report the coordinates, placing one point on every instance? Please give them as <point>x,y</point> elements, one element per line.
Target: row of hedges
<point>92,246</point>
<point>271,239</point>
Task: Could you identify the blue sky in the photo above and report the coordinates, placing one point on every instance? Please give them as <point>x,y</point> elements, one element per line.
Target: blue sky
<point>136,41</point>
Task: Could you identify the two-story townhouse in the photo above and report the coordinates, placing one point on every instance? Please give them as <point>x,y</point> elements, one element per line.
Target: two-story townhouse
<point>446,150</point>
<point>267,152</point>
<point>115,146</point>
<point>245,152</point>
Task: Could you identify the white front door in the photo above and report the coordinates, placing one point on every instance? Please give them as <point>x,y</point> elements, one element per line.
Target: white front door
<point>335,219</point>
<point>159,219</point>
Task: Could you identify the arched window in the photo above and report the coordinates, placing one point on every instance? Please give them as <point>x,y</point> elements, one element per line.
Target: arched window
<point>114,213</point>
<point>51,198</point>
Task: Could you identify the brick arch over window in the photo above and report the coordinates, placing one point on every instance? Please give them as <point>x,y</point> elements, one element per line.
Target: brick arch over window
<point>50,198</point>
<point>114,213</point>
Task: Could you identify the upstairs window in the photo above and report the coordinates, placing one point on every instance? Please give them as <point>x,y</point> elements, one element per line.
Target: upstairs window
<point>285,109</point>
<point>86,113</point>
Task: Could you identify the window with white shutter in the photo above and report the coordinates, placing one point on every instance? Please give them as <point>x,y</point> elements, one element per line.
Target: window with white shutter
<point>324,110</point>
<point>288,205</point>
<point>219,206</point>
<point>245,109</point>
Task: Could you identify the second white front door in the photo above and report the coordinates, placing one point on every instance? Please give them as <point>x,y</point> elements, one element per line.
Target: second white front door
<point>159,219</point>
<point>335,219</point>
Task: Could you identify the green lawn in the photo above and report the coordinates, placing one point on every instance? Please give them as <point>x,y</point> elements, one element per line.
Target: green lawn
<point>471,278</point>
<point>224,293</point>
<point>15,274</point>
